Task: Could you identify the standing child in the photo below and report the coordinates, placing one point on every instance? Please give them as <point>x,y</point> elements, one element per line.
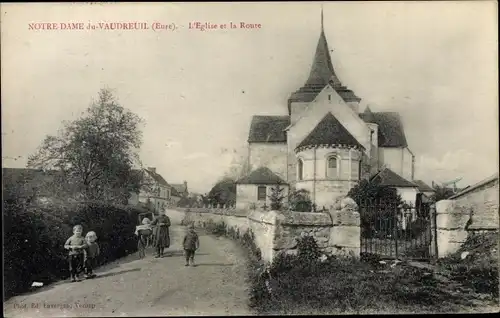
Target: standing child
<point>191,243</point>
<point>75,244</point>
<point>91,250</point>
<point>144,233</point>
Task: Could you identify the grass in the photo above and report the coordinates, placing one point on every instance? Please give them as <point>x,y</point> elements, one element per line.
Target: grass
<point>302,284</point>
<point>479,270</point>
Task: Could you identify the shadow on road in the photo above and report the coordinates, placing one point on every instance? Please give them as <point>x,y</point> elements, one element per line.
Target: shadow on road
<point>180,253</point>
<point>118,273</point>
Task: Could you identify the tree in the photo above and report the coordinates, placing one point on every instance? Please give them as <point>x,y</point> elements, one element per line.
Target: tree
<point>223,192</point>
<point>377,206</point>
<point>276,197</point>
<point>300,201</point>
<point>95,152</point>
<point>441,193</point>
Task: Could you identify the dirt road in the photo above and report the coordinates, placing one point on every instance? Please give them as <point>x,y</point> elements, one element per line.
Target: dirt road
<point>149,287</point>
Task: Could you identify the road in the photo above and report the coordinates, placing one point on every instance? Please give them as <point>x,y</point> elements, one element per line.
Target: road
<point>149,287</point>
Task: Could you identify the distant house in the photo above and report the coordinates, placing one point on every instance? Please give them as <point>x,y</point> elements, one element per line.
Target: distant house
<point>256,187</point>
<point>154,191</point>
<point>424,188</point>
<point>181,189</point>
<point>406,189</point>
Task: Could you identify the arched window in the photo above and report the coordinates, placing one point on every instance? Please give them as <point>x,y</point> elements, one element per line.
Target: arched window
<point>332,167</point>
<point>300,169</point>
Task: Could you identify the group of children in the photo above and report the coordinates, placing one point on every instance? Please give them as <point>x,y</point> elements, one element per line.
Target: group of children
<point>83,252</point>
<point>190,242</point>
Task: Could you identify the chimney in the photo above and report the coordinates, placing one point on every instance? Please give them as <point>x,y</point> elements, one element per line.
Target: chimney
<point>152,169</point>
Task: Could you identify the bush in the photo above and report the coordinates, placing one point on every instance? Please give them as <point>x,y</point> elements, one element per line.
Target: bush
<point>34,239</point>
<point>300,201</point>
<point>479,270</point>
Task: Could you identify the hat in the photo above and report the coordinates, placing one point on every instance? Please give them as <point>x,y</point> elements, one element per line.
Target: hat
<point>146,221</point>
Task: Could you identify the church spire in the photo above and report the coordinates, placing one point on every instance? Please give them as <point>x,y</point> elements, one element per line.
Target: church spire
<point>322,72</point>
<point>322,29</point>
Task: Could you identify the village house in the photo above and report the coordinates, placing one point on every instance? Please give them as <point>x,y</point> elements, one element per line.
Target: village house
<point>324,143</point>
<point>179,191</point>
<point>154,191</point>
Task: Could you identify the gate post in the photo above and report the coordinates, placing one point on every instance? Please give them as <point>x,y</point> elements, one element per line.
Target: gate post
<point>433,247</point>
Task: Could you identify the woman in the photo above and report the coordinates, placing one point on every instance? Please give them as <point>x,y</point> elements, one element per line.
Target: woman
<point>162,238</point>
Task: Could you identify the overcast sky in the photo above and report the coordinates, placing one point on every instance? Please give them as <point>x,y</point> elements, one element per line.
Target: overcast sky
<point>435,63</point>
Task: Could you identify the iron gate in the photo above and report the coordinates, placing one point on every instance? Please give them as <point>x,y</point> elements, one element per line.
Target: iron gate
<point>396,231</point>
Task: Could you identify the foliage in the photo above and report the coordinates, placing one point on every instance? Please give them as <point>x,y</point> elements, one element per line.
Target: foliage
<point>35,235</point>
<point>223,192</point>
<point>441,193</point>
<point>479,270</point>
<point>300,201</point>
<point>276,197</point>
<point>377,206</point>
<point>95,152</point>
<point>300,284</point>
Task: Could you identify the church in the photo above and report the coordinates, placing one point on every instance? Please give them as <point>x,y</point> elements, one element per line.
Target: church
<point>324,143</point>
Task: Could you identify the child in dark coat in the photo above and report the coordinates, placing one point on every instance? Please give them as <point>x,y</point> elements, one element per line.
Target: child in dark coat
<point>190,243</point>
<point>76,245</point>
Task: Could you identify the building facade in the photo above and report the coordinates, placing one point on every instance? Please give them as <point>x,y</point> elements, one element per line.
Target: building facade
<point>325,144</point>
<point>155,192</point>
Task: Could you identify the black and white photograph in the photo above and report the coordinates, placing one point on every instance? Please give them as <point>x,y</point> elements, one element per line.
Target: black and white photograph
<point>249,158</point>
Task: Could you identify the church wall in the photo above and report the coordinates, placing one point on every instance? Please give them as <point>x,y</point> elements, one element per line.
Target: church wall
<point>329,101</point>
<point>270,155</point>
<point>328,189</point>
<point>398,160</point>
<point>297,109</point>
<point>407,165</point>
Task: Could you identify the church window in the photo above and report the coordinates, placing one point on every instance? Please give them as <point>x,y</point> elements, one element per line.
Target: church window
<point>332,167</point>
<point>261,193</point>
<point>329,97</point>
<point>300,168</point>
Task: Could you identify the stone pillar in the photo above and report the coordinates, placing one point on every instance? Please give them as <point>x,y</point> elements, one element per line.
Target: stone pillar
<point>345,235</point>
<point>433,247</point>
<point>450,226</point>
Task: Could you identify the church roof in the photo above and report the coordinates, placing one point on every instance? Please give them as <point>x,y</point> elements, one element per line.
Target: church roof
<point>329,131</point>
<point>387,177</point>
<point>322,73</point>
<point>390,128</point>
<point>262,175</point>
<point>268,129</point>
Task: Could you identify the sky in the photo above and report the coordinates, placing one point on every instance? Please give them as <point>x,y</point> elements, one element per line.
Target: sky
<point>434,63</point>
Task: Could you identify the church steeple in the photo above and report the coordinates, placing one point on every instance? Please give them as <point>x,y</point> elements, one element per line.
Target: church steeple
<point>322,73</point>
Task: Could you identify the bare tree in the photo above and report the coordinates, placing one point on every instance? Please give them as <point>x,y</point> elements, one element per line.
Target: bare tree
<point>96,152</point>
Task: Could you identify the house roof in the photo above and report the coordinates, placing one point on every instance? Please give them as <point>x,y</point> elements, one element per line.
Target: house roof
<point>155,176</point>
<point>390,127</point>
<point>322,73</point>
<point>179,188</point>
<point>387,177</point>
<point>262,175</point>
<point>422,186</point>
<point>329,131</point>
<point>268,128</point>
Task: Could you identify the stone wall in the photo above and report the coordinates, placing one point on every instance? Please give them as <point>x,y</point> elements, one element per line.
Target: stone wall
<point>473,209</point>
<point>336,231</point>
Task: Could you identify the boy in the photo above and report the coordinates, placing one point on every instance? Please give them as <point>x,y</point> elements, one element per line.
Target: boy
<point>91,252</point>
<point>191,243</point>
<point>75,244</point>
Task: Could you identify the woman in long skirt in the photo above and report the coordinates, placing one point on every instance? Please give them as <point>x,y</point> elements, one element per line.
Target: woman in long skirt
<point>162,235</point>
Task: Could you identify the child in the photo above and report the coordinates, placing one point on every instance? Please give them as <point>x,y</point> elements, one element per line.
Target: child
<point>75,244</point>
<point>91,252</point>
<point>191,243</point>
<point>144,233</point>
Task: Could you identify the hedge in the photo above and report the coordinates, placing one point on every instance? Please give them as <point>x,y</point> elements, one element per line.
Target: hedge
<point>34,237</point>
